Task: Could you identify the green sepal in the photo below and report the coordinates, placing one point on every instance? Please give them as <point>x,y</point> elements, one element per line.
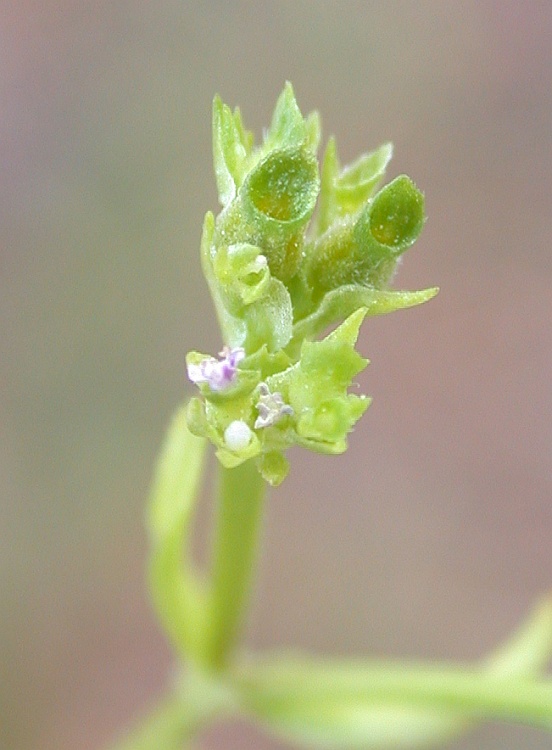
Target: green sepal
<point>232,326</point>
<point>230,459</point>
<point>273,467</point>
<point>337,304</point>
<point>324,427</point>
<point>345,191</point>
<point>314,131</point>
<point>196,420</point>
<point>211,419</point>
<point>232,146</point>
<point>267,363</point>
<point>288,128</point>
<point>316,388</point>
<point>268,321</point>
<point>358,180</point>
<point>243,274</point>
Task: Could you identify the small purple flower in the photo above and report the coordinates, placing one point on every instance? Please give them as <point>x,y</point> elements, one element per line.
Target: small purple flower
<point>218,373</point>
<point>271,407</point>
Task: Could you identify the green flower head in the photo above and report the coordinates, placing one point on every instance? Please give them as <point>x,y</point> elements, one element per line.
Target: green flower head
<point>280,278</point>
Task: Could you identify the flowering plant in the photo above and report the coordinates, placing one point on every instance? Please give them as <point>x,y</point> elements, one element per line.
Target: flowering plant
<point>291,254</point>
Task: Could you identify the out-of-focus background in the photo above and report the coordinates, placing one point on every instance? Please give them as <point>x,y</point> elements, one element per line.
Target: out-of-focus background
<point>431,536</point>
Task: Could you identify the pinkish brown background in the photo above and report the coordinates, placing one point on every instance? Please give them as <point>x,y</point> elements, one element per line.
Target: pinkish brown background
<point>432,535</point>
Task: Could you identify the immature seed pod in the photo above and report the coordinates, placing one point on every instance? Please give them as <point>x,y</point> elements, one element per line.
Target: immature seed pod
<point>394,219</point>
<point>278,198</point>
<point>365,250</point>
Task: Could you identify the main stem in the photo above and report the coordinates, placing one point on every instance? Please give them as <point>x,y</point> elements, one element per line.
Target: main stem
<point>238,523</point>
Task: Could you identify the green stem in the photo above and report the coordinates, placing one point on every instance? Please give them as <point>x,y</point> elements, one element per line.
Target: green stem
<point>169,727</point>
<point>238,522</point>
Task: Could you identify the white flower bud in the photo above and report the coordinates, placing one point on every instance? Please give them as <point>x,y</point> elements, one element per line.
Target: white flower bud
<point>237,435</point>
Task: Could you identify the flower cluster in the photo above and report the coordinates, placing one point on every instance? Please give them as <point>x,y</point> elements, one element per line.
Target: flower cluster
<point>278,280</point>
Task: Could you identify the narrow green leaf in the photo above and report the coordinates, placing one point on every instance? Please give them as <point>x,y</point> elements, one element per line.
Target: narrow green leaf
<point>175,588</point>
<point>376,705</point>
<point>529,649</point>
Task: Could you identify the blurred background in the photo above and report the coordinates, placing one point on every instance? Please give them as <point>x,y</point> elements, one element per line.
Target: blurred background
<point>431,536</point>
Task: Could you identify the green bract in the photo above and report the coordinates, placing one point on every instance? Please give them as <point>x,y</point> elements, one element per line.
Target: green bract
<point>278,280</point>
